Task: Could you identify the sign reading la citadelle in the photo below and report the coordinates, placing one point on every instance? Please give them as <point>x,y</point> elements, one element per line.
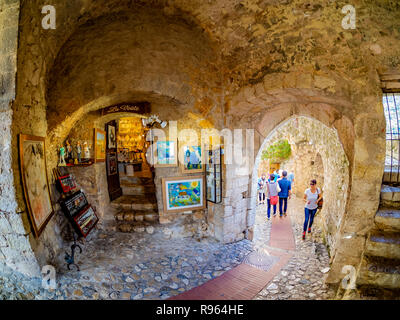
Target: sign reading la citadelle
<point>139,107</point>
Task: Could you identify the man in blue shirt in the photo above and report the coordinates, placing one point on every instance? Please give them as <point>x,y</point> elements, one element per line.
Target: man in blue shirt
<point>284,194</point>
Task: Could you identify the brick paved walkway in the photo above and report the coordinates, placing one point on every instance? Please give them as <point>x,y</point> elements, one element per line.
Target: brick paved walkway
<point>244,281</point>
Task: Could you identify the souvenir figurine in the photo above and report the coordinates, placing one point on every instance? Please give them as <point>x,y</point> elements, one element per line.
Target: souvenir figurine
<point>86,150</point>
<point>62,157</point>
<point>79,151</point>
<point>69,151</point>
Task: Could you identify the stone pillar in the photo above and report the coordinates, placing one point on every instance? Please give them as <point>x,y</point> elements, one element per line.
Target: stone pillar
<point>15,248</point>
<point>364,199</point>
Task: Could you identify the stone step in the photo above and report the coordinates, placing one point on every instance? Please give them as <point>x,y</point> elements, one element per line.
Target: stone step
<point>135,202</point>
<point>391,176</point>
<point>390,196</point>
<point>379,272</point>
<point>369,292</point>
<point>138,189</point>
<point>126,180</point>
<point>137,227</point>
<point>138,216</point>
<point>383,244</point>
<point>388,219</point>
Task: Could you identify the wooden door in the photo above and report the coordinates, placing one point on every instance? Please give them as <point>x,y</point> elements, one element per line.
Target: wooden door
<point>273,167</point>
<point>114,188</point>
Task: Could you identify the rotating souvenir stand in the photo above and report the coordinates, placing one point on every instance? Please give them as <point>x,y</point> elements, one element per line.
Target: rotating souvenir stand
<point>76,208</point>
<point>214,174</point>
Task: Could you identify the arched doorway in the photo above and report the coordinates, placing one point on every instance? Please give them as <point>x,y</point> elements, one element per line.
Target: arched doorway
<point>319,154</point>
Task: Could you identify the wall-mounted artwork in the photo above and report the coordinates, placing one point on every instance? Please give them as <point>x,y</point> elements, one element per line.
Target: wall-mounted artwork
<point>183,193</point>
<point>112,138</point>
<point>192,159</point>
<point>166,153</point>
<point>35,183</point>
<point>112,163</point>
<point>99,145</point>
<point>214,174</point>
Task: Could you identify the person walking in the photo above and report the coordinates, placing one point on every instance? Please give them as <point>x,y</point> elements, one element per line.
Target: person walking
<point>311,197</point>
<point>277,176</point>
<point>284,194</point>
<point>272,195</point>
<point>291,178</point>
<point>261,186</point>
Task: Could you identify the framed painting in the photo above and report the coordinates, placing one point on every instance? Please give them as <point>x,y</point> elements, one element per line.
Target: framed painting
<point>32,156</point>
<point>99,145</point>
<point>183,193</point>
<point>166,153</point>
<point>112,142</point>
<point>112,163</point>
<point>192,161</point>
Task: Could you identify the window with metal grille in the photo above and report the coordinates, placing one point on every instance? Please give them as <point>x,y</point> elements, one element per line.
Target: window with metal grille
<point>391,103</point>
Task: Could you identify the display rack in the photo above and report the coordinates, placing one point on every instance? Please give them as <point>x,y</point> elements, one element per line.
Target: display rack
<point>77,209</point>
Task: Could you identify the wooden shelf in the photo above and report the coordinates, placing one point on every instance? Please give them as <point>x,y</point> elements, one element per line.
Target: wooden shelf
<point>80,165</point>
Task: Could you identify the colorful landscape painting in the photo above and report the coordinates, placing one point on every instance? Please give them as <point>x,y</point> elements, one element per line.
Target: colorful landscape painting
<point>184,194</point>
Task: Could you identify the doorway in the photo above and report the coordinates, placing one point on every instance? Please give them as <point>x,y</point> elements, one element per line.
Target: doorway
<point>137,204</point>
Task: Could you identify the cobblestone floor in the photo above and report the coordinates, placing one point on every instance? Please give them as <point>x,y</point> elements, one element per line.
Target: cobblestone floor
<point>303,277</point>
<point>148,266</point>
<point>116,265</point>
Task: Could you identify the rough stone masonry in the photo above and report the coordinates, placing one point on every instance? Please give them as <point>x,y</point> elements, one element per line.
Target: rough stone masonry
<point>205,64</point>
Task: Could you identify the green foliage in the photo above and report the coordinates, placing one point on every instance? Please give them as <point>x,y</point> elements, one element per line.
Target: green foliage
<point>277,152</point>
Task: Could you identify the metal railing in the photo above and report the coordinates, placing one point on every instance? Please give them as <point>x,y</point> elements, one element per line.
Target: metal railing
<point>391,103</point>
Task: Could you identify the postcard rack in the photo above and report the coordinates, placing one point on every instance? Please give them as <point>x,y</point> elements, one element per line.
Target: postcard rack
<point>81,215</point>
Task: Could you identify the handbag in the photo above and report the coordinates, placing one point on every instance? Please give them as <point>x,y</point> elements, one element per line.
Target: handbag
<point>274,200</point>
<point>320,203</point>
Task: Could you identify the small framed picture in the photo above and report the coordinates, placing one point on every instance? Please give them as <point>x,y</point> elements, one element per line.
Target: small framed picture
<point>112,139</point>
<point>166,153</point>
<point>193,159</point>
<point>99,145</point>
<point>112,164</point>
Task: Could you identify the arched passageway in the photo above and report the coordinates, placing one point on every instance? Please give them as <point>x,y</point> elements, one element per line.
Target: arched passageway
<point>204,65</point>
<point>327,148</point>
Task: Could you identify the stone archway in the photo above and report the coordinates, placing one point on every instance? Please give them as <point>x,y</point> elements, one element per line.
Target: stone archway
<point>326,143</point>
<point>265,105</point>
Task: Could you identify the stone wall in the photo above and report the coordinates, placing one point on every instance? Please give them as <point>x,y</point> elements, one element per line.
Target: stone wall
<point>253,66</point>
<point>15,246</point>
<point>306,164</point>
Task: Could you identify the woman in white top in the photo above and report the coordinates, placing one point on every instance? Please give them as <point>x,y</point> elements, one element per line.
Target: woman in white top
<point>311,197</point>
